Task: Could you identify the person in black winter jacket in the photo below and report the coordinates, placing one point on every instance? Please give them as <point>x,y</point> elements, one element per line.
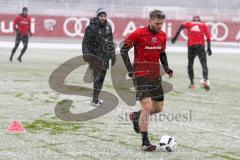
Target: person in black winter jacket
<point>98,48</point>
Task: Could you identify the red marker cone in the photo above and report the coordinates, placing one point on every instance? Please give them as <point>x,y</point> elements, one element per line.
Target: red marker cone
<point>16,127</point>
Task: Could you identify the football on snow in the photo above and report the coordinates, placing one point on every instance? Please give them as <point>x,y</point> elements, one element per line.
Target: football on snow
<point>168,143</point>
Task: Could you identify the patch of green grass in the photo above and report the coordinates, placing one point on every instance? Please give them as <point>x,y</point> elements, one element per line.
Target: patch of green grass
<point>19,94</point>
<point>21,80</point>
<point>54,127</point>
<point>175,93</point>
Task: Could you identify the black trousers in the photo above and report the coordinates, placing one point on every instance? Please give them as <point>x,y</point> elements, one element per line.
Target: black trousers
<point>98,77</point>
<point>193,51</point>
<point>20,38</point>
<point>96,72</point>
<point>98,69</point>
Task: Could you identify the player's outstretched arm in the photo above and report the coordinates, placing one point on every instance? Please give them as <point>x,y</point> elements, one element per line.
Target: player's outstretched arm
<point>207,34</point>
<point>164,61</point>
<point>124,53</point>
<point>177,34</point>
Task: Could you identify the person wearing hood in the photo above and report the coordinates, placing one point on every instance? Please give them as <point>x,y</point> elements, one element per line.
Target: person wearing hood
<point>98,48</point>
<point>22,27</point>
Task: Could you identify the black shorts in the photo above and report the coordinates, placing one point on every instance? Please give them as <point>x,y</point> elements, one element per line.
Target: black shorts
<point>147,87</point>
<point>22,38</point>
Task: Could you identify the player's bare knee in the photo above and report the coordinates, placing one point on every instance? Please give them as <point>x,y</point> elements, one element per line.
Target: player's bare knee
<point>147,109</point>
<point>146,105</point>
<point>158,107</point>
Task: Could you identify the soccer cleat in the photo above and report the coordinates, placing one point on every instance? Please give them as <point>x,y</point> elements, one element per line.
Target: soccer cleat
<point>134,117</point>
<point>148,147</point>
<point>205,85</point>
<point>19,59</point>
<point>97,102</point>
<point>191,86</point>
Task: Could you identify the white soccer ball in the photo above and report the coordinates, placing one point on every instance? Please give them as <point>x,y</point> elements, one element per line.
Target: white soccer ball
<point>168,143</point>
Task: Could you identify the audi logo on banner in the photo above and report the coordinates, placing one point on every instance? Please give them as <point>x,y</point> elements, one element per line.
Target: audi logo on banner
<point>75,26</point>
<point>219,31</point>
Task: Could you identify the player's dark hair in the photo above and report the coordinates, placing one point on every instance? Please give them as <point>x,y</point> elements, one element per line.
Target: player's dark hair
<point>157,14</point>
<point>196,19</point>
<point>24,9</point>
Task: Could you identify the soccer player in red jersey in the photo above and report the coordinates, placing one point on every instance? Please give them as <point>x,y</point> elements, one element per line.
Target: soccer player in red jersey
<point>22,27</point>
<point>149,47</point>
<point>196,46</point>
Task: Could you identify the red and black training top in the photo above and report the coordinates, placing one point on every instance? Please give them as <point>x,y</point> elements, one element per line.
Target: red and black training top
<point>196,32</point>
<point>148,46</point>
<point>22,24</point>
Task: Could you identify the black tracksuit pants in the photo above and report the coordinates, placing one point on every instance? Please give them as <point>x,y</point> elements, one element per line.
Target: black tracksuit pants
<point>193,51</point>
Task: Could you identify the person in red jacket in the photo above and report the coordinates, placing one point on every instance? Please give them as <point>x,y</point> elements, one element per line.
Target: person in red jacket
<point>197,31</point>
<point>149,49</point>
<point>22,27</point>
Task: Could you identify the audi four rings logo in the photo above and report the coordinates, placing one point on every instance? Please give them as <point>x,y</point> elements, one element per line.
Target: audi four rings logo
<point>78,28</point>
<point>219,31</point>
<point>215,31</point>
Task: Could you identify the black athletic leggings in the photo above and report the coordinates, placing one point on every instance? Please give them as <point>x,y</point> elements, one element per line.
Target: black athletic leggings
<point>20,38</point>
<point>193,51</point>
